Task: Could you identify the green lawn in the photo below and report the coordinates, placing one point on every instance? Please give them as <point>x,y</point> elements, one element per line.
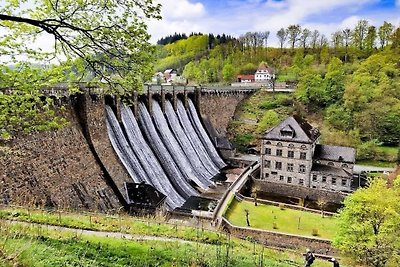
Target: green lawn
<point>286,221</point>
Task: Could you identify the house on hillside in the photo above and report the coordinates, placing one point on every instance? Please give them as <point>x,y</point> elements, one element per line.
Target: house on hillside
<point>245,78</point>
<point>264,74</point>
<point>170,74</point>
<point>290,154</point>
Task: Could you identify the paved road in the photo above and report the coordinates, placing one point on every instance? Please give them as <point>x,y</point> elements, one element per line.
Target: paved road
<point>232,190</point>
<point>101,233</point>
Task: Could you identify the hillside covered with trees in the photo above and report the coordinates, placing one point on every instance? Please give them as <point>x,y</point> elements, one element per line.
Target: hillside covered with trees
<point>349,84</point>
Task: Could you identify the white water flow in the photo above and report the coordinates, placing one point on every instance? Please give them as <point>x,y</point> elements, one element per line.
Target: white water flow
<point>174,148</point>
<point>204,136</point>
<point>164,156</point>
<point>149,161</point>
<point>185,144</point>
<point>122,148</point>
<point>194,138</point>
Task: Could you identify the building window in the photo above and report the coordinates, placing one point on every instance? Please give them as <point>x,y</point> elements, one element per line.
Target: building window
<point>279,144</point>
<point>302,168</point>
<point>267,164</point>
<point>289,180</point>
<point>314,177</point>
<point>290,167</point>
<point>281,178</point>
<point>324,179</point>
<point>266,175</point>
<point>291,145</point>
<point>268,151</point>
<point>290,154</point>
<point>268,143</point>
<point>303,155</point>
<point>314,186</point>
<point>344,182</point>
<point>345,166</point>
<point>278,165</point>
<point>301,181</point>
<point>303,147</point>
<point>331,164</point>
<point>279,152</point>
<point>333,180</point>
<point>274,173</point>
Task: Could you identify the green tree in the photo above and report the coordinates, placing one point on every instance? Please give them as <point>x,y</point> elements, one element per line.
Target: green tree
<point>293,32</point>
<point>369,225</point>
<point>384,33</point>
<point>228,72</point>
<point>105,42</point>
<point>359,33</point>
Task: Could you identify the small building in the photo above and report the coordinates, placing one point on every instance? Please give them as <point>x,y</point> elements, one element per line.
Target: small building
<point>264,73</point>
<point>290,154</point>
<point>170,74</point>
<point>245,78</point>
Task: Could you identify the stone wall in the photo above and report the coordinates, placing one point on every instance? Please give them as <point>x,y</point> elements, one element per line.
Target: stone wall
<point>269,238</point>
<point>54,169</point>
<point>299,191</point>
<point>219,109</point>
<point>92,110</point>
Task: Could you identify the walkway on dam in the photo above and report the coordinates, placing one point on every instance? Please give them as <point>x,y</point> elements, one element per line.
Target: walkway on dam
<point>232,190</point>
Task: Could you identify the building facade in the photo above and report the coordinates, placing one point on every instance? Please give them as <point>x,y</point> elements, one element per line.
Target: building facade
<point>290,154</point>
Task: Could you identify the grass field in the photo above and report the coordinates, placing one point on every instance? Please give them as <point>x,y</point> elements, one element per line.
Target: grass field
<point>286,220</point>
<point>39,246</point>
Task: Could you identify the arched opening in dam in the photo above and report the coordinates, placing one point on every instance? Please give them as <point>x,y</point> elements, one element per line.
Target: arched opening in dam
<point>162,143</point>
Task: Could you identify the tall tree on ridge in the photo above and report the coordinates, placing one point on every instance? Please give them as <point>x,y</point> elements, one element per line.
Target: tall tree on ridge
<point>294,32</point>
<point>384,32</point>
<point>282,35</point>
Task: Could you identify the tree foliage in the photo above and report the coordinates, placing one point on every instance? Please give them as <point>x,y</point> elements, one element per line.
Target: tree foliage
<point>369,225</point>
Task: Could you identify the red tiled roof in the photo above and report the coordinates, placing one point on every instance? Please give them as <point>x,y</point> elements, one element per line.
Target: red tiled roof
<point>246,77</point>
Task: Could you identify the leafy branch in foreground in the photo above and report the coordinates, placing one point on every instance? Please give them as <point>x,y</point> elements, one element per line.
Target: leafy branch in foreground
<point>110,36</point>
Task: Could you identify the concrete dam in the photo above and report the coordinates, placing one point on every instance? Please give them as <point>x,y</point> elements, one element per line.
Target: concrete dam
<point>111,153</point>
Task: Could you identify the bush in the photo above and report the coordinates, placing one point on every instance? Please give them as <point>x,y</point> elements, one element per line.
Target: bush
<point>367,150</point>
<point>314,232</point>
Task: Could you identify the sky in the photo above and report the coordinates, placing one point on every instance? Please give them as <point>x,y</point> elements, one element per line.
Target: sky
<point>236,17</point>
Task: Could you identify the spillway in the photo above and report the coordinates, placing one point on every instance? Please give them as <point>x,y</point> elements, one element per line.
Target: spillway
<point>155,173</point>
<point>204,136</point>
<point>170,151</point>
<point>194,138</point>
<point>175,149</point>
<point>186,145</point>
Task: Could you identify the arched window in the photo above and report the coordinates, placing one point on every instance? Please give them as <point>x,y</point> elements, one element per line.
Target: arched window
<point>290,145</point>
<point>303,147</point>
<point>345,166</point>
<point>331,164</point>
<point>279,144</point>
<point>268,143</point>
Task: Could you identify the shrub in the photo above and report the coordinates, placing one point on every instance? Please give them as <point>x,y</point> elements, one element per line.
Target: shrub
<point>314,232</point>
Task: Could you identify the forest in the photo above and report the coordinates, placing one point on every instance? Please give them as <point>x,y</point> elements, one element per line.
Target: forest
<point>348,84</point>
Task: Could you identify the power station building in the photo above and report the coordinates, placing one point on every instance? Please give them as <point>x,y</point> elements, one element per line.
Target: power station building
<point>290,154</point>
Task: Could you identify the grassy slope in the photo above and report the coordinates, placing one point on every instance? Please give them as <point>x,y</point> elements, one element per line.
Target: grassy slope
<point>287,220</point>
<point>41,246</point>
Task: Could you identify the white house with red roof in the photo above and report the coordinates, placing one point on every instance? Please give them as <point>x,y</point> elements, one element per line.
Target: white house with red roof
<point>264,73</point>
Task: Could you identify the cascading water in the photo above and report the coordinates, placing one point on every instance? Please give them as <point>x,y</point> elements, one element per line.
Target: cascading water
<point>174,148</point>
<point>155,173</point>
<point>164,156</point>
<point>185,143</point>
<point>204,136</point>
<point>194,138</point>
<point>122,148</point>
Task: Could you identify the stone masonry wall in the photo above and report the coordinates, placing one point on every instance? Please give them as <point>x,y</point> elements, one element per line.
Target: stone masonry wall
<point>299,191</point>
<point>219,109</point>
<point>269,238</point>
<point>93,112</point>
<point>54,169</point>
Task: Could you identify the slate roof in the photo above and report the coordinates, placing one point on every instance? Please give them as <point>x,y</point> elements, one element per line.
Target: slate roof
<point>303,132</point>
<point>263,67</point>
<point>335,153</point>
<point>330,170</point>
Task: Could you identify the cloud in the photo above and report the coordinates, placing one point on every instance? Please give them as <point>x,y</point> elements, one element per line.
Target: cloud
<point>181,9</point>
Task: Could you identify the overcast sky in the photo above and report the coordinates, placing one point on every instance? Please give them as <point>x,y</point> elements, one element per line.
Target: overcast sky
<point>236,17</point>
